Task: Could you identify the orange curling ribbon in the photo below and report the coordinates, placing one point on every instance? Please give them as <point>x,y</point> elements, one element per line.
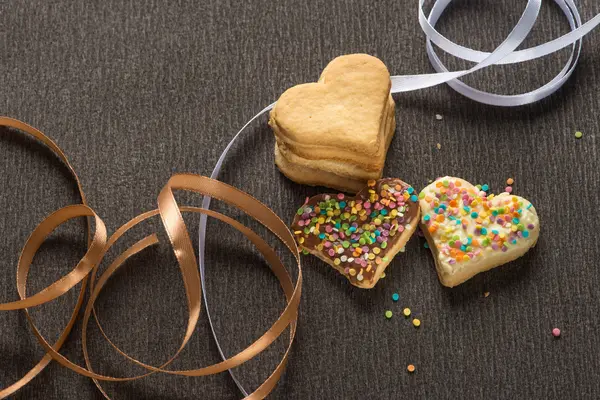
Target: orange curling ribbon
<point>85,272</point>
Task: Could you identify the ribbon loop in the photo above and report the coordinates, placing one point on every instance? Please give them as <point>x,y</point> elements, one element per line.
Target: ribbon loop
<point>99,244</point>
<point>505,53</point>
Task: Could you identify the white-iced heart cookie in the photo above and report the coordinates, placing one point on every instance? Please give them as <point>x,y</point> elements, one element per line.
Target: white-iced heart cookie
<point>470,232</point>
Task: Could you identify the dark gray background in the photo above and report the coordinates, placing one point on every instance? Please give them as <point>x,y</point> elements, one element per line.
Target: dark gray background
<point>135,91</point>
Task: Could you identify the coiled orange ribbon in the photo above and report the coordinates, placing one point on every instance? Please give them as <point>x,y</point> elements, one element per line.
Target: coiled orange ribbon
<point>85,272</point>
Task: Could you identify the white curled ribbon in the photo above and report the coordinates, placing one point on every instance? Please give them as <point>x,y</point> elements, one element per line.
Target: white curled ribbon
<point>505,53</point>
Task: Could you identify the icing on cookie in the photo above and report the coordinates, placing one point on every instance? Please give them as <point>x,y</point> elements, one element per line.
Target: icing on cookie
<point>468,227</point>
<point>355,234</point>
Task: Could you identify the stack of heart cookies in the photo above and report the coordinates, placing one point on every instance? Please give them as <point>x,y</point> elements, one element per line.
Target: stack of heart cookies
<point>336,132</point>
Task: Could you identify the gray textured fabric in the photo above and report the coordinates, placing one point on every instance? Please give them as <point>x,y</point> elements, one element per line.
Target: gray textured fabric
<point>135,91</point>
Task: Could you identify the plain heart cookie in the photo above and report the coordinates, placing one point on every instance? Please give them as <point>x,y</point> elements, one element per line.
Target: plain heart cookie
<point>336,132</point>
<point>360,235</point>
<point>470,232</point>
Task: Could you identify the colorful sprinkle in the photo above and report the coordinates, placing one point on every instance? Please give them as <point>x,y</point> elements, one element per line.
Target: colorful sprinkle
<point>485,188</point>
<point>388,314</point>
<point>578,135</point>
<point>486,294</point>
<point>416,322</point>
<point>395,297</point>
<point>406,312</point>
<point>410,368</point>
<point>439,117</point>
<point>556,332</point>
<point>510,181</point>
<point>508,189</point>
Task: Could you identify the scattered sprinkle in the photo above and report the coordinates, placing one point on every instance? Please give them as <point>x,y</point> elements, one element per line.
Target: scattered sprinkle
<point>485,187</point>
<point>395,297</point>
<point>510,181</point>
<point>388,314</point>
<point>486,294</point>
<point>416,323</point>
<point>439,117</point>
<point>508,189</point>
<point>426,245</point>
<point>382,275</point>
<point>410,368</point>
<point>439,146</point>
<point>556,332</point>
<point>406,312</point>
<point>578,135</point>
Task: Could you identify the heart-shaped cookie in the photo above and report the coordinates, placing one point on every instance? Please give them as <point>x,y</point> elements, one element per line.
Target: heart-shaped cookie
<point>343,111</point>
<point>359,235</point>
<point>339,128</point>
<point>470,232</point>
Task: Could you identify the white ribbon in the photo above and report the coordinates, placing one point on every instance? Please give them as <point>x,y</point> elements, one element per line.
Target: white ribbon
<point>505,53</point>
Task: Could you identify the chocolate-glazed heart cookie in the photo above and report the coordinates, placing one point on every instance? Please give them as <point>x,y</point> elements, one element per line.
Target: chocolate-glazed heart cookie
<point>359,236</point>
